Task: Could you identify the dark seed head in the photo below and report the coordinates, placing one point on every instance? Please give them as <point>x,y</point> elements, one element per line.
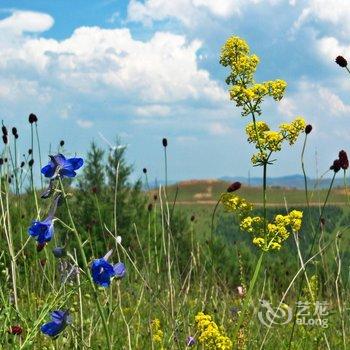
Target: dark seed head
<point>4,130</point>
<point>150,207</point>
<point>144,170</point>
<point>94,189</point>
<point>165,142</point>
<point>308,129</point>
<point>341,61</point>
<point>155,197</point>
<point>5,160</point>
<point>193,218</point>
<point>31,162</point>
<point>344,161</point>
<point>40,246</point>
<point>234,187</point>
<point>42,262</point>
<point>30,151</point>
<point>16,136</point>
<point>336,166</point>
<point>4,138</point>
<point>32,118</point>
<point>15,330</point>
<point>14,131</point>
<point>1,161</point>
<point>22,164</point>
<point>61,143</point>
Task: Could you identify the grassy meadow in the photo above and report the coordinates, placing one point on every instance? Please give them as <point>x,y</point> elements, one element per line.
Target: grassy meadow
<point>91,260</point>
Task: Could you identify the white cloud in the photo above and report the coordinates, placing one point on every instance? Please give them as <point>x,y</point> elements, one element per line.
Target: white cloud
<point>218,128</point>
<point>330,48</point>
<point>335,12</point>
<point>313,100</point>
<point>26,21</point>
<point>153,110</point>
<point>187,11</point>
<point>85,124</point>
<point>186,139</point>
<point>109,64</point>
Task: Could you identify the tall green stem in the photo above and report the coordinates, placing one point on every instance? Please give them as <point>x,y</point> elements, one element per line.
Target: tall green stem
<point>86,268</point>
<point>248,296</point>
<point>309,255</point>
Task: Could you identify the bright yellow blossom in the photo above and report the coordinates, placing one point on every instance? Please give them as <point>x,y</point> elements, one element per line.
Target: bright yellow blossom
<point>232,203</point>
<point>292,130</point>
<point>210,335</point>
<point>157,333</point>
<point>276,232</point>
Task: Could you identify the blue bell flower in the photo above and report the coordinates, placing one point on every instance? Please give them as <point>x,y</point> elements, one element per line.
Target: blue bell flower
<point>59,320</point>
<point>61,166</point>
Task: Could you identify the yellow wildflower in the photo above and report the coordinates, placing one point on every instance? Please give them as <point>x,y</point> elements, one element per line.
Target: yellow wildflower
<point>232,203</point>
<point>273,140</point>
<point>276,232</point>
<point>295,217</point>
<point>293,130</point>
<point>210,334</point>
<point>276,88</point>
<point>157,333</point>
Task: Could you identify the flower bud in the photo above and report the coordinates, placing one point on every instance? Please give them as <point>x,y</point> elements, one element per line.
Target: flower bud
<point>234,187</point>
<point>32,118</point>
<point>15,330</point>
<point>59,252</point>
<point>341,61</point>
<point>336,166</point>
<point>190,341</point>
<point>308,129</point>
<point>344,161</point>
<point>165,142</point>
<point>40,246</point>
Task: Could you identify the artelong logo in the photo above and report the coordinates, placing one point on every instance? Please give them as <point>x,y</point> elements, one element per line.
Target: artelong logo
<point>271,316</point>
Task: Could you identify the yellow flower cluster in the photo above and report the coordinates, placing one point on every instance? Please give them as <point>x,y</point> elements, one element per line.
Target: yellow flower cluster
<point>244,90</point>
<point>276,88</point>
<point>232,202</point>
<point>292,131</point>
<point>276,232</point>
<point>268,141</point>
<point>157,333</point>
<point>210,335</point>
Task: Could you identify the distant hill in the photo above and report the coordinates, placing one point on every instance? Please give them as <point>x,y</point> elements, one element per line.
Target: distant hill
<point>207,192</point>
<point>288,181</point>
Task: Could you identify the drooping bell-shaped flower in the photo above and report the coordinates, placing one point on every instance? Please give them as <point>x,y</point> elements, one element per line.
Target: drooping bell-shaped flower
<point>61,166</point>
<point>102,271</point>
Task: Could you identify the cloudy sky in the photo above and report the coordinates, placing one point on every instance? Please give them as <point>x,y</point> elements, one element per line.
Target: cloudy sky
<point>149,69</point>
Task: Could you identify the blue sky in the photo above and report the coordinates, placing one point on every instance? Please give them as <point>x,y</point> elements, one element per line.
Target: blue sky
<point>144,70</point>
